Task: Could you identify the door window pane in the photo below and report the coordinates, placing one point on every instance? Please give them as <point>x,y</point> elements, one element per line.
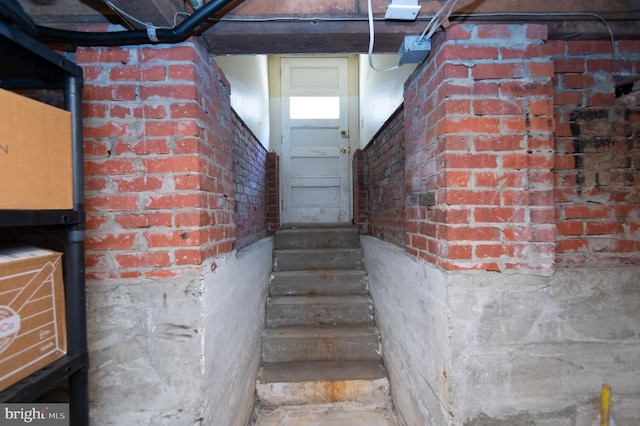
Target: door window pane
<point>314,107</point>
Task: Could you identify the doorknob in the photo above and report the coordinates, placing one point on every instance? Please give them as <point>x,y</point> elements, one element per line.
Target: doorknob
<point>344,149</point>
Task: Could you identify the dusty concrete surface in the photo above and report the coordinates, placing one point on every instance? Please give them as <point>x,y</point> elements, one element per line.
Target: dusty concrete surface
<point>410,311</point>
<point>179,351</point>
<point>544,346</point>
<point>486,348</point>
<point>235,299</point>
<point>320,348</point>
<point>145,351</point>
<point>324,415</point>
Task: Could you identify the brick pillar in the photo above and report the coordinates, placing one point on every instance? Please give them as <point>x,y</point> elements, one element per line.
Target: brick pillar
<point>158,160</point>
<point>160,206</point>
<point>479,151</point>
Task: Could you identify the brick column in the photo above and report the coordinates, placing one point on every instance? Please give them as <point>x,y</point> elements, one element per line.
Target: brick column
<point>479,151</point>
<point>158,160</point>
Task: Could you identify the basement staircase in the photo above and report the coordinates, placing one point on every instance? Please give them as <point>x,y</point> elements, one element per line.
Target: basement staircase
<point>321,362</point>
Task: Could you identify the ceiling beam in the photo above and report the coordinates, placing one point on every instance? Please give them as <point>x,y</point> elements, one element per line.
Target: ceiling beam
<point>336,37</point>
<point>341,26</point>
<point>156,12</point>
<point>68,14</point>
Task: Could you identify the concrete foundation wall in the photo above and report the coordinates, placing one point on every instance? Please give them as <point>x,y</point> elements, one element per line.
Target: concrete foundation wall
<point>235,294</point>
<point>540,348</point>
<point>146,351</point>
<point>180,352</point>
<point>410,297</point>
<point>505,349</point>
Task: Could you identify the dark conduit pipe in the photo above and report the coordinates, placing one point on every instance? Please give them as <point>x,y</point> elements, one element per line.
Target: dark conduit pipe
<point>122,38</point>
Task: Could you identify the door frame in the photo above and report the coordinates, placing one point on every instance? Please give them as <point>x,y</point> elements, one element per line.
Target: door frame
<point>275,109</point>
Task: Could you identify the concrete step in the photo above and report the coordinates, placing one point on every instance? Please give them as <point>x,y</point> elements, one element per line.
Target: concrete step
<point>324,415</point>
<point>326,282</point>
<point>321,361</point>
<point>317,259</point>
<point>309,310</point>
<point>350,342</point>
<point>307,238</point>
<point>296,383</point>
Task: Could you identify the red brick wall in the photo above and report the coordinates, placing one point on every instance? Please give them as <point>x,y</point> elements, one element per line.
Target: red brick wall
<point>379,173</point>
<point>273,192</point>
<point>479,151</point>
<point>359,184</point>
<point>250,179</point>
<point>597,172</point>
<point>158,135</point>
<point>518,154</point>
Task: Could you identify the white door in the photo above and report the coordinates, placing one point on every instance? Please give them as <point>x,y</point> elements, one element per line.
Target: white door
<point>315,140</point>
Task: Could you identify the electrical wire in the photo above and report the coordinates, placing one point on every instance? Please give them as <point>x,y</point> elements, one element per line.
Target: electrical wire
<point>584,14</point>
<point>126,16</point>
<point>372,37</point>
<point>434,22</point>
<point>370,18</point>
<point>181,32</point>
<point>293,19</point>
<point>447,8</point>
<point>612,38</point>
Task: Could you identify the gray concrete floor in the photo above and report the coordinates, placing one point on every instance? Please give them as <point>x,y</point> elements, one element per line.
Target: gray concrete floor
<point>329,415</point>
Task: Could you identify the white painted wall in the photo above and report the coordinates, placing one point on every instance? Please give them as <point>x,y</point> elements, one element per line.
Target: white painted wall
<point>381,93</point>
<point>482,348</point>
<point>249,79</point>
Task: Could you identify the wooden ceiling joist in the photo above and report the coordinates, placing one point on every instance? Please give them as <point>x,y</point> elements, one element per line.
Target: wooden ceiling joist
<point>252,26</point>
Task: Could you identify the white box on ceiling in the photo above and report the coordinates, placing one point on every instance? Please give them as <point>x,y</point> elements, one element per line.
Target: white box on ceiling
<point>402,9</point>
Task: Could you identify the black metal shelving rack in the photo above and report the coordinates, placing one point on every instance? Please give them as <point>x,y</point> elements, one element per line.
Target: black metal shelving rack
<point>25,63</point>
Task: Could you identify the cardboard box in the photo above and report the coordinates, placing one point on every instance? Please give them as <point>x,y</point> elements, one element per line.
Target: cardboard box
<point>35,155</point>
<point>33,330</point>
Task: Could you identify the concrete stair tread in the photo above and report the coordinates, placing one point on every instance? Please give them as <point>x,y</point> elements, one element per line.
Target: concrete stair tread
<point>325,272</point>
<point>317,237</point>
<point>319,282</point>
<point>319,309</point>
<point>318,230</point>
<point>318,251</point>
<point>318,371</point>
<point>321,331</point>
<point>317,259</point>
<point>315,225</point>
<point>348,299</point>
<point>324,415</point>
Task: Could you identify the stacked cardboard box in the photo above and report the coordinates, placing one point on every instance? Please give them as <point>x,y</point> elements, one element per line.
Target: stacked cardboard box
<point>32,312</point>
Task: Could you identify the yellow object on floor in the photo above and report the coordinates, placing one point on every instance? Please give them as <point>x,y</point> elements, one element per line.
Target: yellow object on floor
<point>604,408</point>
